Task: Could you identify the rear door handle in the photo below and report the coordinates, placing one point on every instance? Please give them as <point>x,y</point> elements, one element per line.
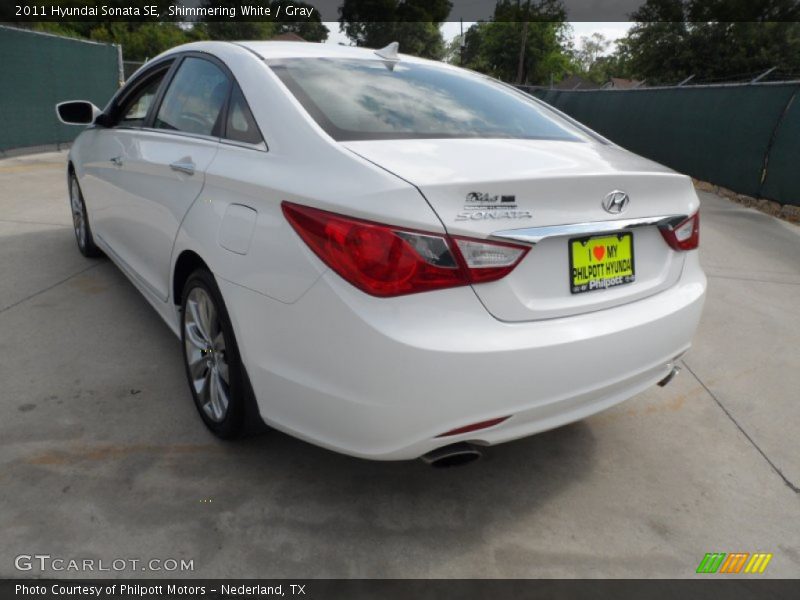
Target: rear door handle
<point>183,167</point>
<point>116,161</point>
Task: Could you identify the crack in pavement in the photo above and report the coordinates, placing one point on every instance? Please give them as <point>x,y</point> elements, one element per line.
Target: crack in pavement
<point>785,479</point>
<point>49,287</point>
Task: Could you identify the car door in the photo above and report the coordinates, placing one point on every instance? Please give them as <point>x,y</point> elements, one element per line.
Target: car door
<point>103,151</point>
<point>163,166</point>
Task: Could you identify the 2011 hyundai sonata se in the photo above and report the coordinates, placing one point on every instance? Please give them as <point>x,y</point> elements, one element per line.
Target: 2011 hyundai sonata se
<point>380,254</point>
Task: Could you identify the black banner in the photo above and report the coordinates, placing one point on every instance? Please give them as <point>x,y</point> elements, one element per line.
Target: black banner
<point>714,587</point>
<point>21,11</point>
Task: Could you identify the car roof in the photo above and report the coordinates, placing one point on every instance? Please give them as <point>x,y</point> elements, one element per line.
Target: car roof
<point>270,50</point>
<point>300,49</point>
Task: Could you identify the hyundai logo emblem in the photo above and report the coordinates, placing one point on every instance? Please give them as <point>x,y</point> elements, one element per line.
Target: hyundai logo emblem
<point>616,202</point>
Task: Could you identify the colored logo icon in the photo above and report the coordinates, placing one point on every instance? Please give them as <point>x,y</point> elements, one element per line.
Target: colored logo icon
<point>734,563</point>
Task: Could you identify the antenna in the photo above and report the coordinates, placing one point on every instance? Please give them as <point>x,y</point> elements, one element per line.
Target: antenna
<point>389,52</point>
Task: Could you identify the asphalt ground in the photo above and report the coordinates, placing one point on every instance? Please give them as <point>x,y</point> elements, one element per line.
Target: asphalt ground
<point>103,456</point>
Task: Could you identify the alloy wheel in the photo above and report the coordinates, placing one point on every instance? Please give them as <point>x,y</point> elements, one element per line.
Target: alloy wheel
<point>206,354</point>
<point>78,214</point>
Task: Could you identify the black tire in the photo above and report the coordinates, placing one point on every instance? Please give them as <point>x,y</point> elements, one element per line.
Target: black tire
<point>80,220</point>
<point>240,416</point>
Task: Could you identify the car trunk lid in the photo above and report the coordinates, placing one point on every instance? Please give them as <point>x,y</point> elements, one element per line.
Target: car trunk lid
<point>548,193</point>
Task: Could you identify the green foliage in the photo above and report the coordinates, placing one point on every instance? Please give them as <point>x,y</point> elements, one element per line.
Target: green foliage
<point>711,39</point>
<point>311,29</point>
<point>235,29</point>
<point>590,51</point>
<point>452,50</point>
<point>412,23</point>
<point>141,41</point>
<point>494,47</point>
<point>591,62</point>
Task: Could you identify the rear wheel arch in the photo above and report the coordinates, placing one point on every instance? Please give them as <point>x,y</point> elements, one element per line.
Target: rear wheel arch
<point>188,262</point>
<point>190,269</point>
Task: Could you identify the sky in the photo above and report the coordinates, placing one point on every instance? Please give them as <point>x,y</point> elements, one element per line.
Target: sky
<point>611,30</point>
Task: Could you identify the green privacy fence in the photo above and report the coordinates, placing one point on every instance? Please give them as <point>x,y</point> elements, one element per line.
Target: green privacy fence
<point>742,137</point>
<point>37,71</point>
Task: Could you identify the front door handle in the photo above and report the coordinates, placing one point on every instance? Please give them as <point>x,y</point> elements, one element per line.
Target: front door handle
<point>183,166</point>
<point>116,161</point>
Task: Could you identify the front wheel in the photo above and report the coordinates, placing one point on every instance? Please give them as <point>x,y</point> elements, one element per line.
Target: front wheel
<point>214,368</point>
<point>80,220</point>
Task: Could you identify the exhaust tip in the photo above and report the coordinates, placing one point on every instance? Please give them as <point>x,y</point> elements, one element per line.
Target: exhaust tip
<point>454,455</point>
<point>675,370</point>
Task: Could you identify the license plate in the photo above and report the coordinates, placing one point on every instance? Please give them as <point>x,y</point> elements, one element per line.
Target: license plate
<point>599,263</point>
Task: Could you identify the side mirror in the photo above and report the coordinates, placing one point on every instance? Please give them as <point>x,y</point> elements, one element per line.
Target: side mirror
<point>77,112</point>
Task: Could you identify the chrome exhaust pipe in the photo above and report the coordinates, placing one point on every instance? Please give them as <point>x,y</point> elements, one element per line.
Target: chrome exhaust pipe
<point>453,455</point>
<point>675,370</point>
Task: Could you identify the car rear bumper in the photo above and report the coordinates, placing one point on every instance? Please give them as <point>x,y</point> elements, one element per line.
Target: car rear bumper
<point>382,378</point>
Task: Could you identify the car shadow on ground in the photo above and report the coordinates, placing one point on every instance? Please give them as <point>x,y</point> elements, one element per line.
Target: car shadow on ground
<point>100,418</point>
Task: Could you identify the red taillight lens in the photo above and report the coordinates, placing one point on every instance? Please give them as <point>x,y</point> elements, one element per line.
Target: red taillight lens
<point>387,261</point>
<point>474,427</point>
<point>684,235</point>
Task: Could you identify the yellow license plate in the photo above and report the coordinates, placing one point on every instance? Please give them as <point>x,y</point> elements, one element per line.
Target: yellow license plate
<point>599,263</point>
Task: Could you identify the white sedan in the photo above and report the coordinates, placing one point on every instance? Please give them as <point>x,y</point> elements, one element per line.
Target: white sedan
<point>385,256</point>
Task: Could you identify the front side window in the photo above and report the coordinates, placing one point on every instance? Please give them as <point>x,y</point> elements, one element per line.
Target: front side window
<point>371,100</point>
<point>134,110</point>
<point>195,97</point>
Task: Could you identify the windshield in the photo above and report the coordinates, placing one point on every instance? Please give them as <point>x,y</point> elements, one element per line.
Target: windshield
<point>373,100</point>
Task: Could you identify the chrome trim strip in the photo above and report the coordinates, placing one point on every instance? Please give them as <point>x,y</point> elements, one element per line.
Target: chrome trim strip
<point>534,235</point>
<point>260,147</point>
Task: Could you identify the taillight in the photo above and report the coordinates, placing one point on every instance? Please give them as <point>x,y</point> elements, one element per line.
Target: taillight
<point>488,261</point>
<point>389,261</point>
<point>685,235</point>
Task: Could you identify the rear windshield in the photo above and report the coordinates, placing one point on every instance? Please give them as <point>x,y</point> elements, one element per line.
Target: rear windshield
<point>373,100</point>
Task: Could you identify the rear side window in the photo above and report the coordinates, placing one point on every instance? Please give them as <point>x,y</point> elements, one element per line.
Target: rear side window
<point>195,97</point>
<point>241,126</point>
<point>374,100</point>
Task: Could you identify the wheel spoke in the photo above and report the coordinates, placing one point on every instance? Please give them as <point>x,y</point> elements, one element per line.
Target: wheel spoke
<point>202,386</point>
<point>207,316</point>
<point>195,337</point>
<point>197,364</point>
<point>221,395</point>
<point>213,395</point>
<point>219,341</point>
<point>195,312</point>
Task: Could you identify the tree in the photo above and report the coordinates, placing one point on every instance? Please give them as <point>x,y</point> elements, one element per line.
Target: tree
<point>714,40</point>
<point>235,29</point>
<point>525,44</point>
<point>311,30</point>
<point>590,50</point>
<point>412,23</point>
<point>592,62</point>
<point>141,41</point>
<point>452,50</point>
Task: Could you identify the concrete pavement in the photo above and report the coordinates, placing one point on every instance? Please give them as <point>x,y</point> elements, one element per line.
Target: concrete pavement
<point>102,454</point>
